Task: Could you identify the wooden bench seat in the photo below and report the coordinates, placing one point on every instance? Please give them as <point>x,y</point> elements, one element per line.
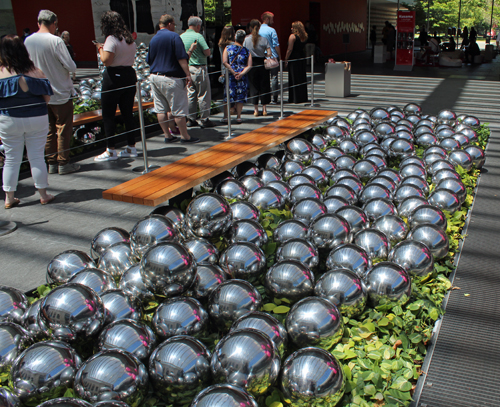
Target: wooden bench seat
<point>158,186</point>
<point>95,115</point>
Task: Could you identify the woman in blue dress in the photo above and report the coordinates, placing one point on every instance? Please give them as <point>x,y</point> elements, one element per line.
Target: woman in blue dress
<point>24,93</point>
<point>238,61</point>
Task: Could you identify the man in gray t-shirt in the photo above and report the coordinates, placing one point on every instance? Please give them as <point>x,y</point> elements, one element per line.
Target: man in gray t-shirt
<point>50,54</point>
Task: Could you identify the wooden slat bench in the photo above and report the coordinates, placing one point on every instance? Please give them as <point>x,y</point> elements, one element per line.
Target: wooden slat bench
<point>95,115</point>
<point>158,186</point>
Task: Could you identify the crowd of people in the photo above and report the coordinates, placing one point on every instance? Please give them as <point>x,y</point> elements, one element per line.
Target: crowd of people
<point>36,99</point>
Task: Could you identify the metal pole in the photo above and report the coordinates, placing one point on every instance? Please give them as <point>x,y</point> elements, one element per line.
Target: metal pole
<point>458,28</point>
<point>146,167</point>
<point>282,116</point>
<point>228,108</point>
<point>312,82</point>
<point>491,20</point>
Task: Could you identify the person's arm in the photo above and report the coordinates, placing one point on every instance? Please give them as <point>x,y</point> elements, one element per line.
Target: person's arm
<point>240,75</point>
<point>191,49</point>
<point>107,57</point>
<point>37,73</point>
<point>277,48</point>
<point>64,57</point>
<point>185,67</point>
<point>291,41</point>
<point>204,46</point>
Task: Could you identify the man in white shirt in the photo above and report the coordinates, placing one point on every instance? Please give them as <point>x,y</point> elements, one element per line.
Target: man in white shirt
<point>49,53</point>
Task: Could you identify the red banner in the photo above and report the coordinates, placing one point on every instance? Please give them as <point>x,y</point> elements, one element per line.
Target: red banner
<point>405,37</point>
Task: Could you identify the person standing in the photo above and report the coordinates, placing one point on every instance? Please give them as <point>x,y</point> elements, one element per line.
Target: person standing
<point>65,37</point>
<point>49,53</point>
<point>118,84</point>
<point>199,92</point>
<point>258,77</point>
<point>168,61</point>
<point>23,118</point>
<point>295,54</point>
<point>268,32</point>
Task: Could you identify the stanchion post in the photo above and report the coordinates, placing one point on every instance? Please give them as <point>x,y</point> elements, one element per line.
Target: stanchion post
<point>146,168</point>
<point>228,108</point>
<point>312,83</point>
<point>282,116</point>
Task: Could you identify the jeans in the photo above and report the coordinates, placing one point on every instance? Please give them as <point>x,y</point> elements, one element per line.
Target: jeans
<point>275,85</point>
<point>199,92</point>
<point>16,132</point>
<point>118,89</point>
<point>60,132</point>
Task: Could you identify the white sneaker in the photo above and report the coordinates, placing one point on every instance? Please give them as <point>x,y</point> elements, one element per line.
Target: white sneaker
<point>128,152</point>
<point>108,155</point>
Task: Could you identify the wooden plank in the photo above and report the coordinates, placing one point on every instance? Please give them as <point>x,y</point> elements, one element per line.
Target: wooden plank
<point>95,115</point>
<point>164,183</point>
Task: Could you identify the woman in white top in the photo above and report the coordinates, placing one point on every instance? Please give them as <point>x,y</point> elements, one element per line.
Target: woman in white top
<point>118,83</point>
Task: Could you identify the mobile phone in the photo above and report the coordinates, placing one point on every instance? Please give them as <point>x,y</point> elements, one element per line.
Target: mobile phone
<point>95,41</point>
<point>195,42</point>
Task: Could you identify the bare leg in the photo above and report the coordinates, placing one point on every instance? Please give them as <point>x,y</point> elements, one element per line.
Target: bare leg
<point>181,124</point>
<point>9,197</point>
<point>264,110</point>
<point>166,123</point>
<point>256,110</point>
<point>239,109</point>
<point>44,195</point>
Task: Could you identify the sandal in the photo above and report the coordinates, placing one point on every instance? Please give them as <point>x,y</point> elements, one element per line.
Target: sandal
<point>223,121</point>
<point>47,201</point>
<point>13,204</point>
<point>239,121</point>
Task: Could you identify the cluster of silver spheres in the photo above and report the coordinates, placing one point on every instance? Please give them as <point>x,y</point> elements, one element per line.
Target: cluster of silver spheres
<point>374,226</point>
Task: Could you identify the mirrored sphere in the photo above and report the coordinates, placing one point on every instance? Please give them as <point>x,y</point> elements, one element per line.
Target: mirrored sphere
<point>300,149</point>
<point>388,284</point>
<point>334,203</point>
<point>418,182</point>
<point>13,340</point>
<point>291,167</point>
<point>67,263</point>
<point>207,277</point>
<point>461,158</point>
<point>119,305</point>
<point>302,191</point>
<point>266,198</point>
<point>351,257</point>
<point>344,289</point>
<point>168,268</point>
<point>32,322</point>
<point>231,300</point>
<point>327,164</point>
<point>132,284</point>
<point>106,238</point>
<point>251,182</point>
<point>343,191</point>
<point>72,311</point>
<point>378,207</point>
<point>299,179</point>
<point>249,231</point>
<point>355,216</point>
<point>290,279</point>
<point>117,258</point>
<point>407,190</point>
<point>393,227</point>
<point>150,231</point>
<point>282,187</point>
<point>180,316</point>
<point>175,215</point>
<point>445,199</point>
<point>232,189</point>
<point>374,242</point>
<point>392,174</point>
<point>308,209</point>
<point>290,229</point>
<point>13,304</point>
<point>353,182</point>
<point>433,237</point>
<point>301,250</point>
<point>225,395</point>
<point>244,210</point>
<point>256,368</point>
<point>407,205</point>
<point>110,403</point>
<point>179,368</point>
<point>415,257</point>
<point>132,336</point>
<point>428,214</point>
<point>202,250</point>
<point>374,191</point>
<point>44,368</point>
<point>455,185</point>
<point>314,321</point>
<point>443,174</point>
<point>243,260</point>
<point>312,376</point>
<point>112,374</point>
<point>263,322</point>
<point>8,399</point>
<point>328,231</point>
<point>477,155</point>
<point>96,279</point>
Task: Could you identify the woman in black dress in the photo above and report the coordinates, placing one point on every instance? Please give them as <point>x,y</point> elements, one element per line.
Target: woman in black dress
<point>295,54</point>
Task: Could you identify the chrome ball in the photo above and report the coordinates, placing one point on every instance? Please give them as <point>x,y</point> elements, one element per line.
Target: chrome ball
<point>132,284</point>
<point>175,215</point>
<point>342,191</point>
<point>299,179</point>
<point>355,216</point>
<point>256,368</point>
<point>379,114</point>
<point>344,173</point>
<point>225,395</point>
<point>461,158</point>
<point>128,335</point>
<point>290,168</point>
<point>243,260</point>
<point>439,165</point>
<point>308,209</point>
<point>249,231</point>
<point>445,199</point>
<point>378,161</point>
<point>43,369</point>
<point>333,153</point>
<point>13,304</point>
<point>112,375</point>
<point>314,321</point>
<point>401,147</point>
<point>472,122</point>
<point>365,170</point>
<point>378,207</point>
<point>449,144</point>
<point>232,189</point>
<point>202,250</point>
<point>8,399</point>
<point>67,263</point>
<point>300,149</point>
<point>328,231</point>
<point>72,311</point>
<point>384,130</point>
<point>263,322</point>
<point>207,277</point>
<point>412,170</point>
<point>266,198</point>
<point>168,268</point>
<point>96,279</point>
<point>445,173</point>
<point>179,368</point>
<point>334,203</point>
<point>327,164</point>
<point>244,210</point>
<point>345,162</point>
<point>209,215</point>
<point>290,229</point>
<point>13,340</point>
<point>283,188</point>
<point>374,191</point>
<point>119,305</point>
<point>419,182</point>
<point>426,140</point>
<point>245,168</point>
<point>433,237</point>
<point>335,132</point>
<point>289,279</point>
<point>32,322</point>
<point>406,191</point>
<point>116,259</point>
<point>392,174</point>
<point>302,191</point>
<point>312,376</point>
<point>428,214</point>
<point>407,205</point>
<point>385,181</point>
<point>251,183</point>
<point>415,257</point>
<point>387,284</point>
<point>351,257</point>
<point>317,174</point>
<point>374,242</point>
<point>446,117</point>
<point>412,109</point>
<point>393,227</point>
<point>343,288</point>
<point>269,175</point>
<point>110,403</point>
<point>106,238</point>
<point>231,300</point>
<point>477,155</point>
<point>301,250</point>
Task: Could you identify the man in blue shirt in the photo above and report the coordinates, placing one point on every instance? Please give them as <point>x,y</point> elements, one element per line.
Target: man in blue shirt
<point>168,61</point>
<point>268,32</point>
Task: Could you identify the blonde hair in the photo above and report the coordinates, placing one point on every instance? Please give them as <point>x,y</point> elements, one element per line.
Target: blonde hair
<point>254,29</point>
<point>299,30</point>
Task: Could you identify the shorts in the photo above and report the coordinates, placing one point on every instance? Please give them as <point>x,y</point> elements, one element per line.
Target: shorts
<point>170,95</point>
